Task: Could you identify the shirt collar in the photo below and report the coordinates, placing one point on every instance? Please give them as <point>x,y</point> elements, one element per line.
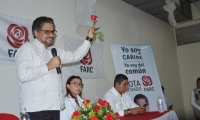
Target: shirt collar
<point>115,91</point>
<point>40,45</point>
<point>69,96</point>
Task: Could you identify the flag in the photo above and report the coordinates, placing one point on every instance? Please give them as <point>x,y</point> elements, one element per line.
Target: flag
<point>14,31</point>
<point>91,66</point>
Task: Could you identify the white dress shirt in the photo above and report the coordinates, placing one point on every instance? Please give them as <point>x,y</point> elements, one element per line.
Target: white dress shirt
<point>71,106</point>
<point>119,103</point>
<point>41,89</point>
<point>192,101</point>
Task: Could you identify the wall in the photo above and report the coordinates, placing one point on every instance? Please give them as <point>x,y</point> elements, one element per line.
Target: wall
<point>189,63</point>
<point>177,1</point>
<point>195,10</point>
<point>189,71</point>
<point>121,24</point>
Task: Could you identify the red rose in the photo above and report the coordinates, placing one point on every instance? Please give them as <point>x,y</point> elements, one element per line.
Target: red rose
<point>109,116</point>
<point>86,102</point>
<point>94,17</point>
<point>94,118</point>
<point>106,104</point>
<point>117,115</point>
<point>17,35</point>
<point>96,108</point>
<point>75,114</point>
<point>101,102</point>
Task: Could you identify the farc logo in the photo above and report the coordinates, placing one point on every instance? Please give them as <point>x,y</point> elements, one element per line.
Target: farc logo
<point>17,35</point>
<point>146,80</point>
<point>87,60</point>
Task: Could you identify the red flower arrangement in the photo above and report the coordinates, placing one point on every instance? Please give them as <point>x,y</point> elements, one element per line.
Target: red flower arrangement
<point>96,110</point>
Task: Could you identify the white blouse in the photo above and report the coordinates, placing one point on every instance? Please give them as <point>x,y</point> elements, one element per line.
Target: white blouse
<point>71,106</point>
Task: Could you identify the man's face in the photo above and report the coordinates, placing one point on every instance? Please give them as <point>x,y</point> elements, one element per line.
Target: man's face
<point>46,35</point>
<point>122,87</point>
<point>198,83</point>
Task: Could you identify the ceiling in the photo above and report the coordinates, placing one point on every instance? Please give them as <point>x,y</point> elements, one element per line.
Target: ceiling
<point>155,7</point>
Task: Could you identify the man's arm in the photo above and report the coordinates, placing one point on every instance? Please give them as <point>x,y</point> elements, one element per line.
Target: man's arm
<point>80,52</point>
<point>192,101</point>
<point>75,56</point>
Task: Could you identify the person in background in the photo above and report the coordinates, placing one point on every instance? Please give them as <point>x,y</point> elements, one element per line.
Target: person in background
<point>195,100</point>
<point>73,98</point>
<point>40,84</point>
<point>120,100</point>
<point>141,100</point>
<point>168,104</point>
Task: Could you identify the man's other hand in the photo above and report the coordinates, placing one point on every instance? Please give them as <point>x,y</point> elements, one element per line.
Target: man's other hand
<point>138,110</point>
<point>54,62</point>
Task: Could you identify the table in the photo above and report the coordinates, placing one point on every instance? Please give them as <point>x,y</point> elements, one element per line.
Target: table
<point>167,115</point>
<point>7,116</point>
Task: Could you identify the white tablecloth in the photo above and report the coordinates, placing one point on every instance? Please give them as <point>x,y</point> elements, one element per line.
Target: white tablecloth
<point>171,115</point>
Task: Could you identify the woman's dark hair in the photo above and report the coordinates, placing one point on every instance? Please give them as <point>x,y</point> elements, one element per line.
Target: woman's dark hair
<point>68,82</point>
<point>120,78</point>
<point>39,22</point>
<point>141,96</point>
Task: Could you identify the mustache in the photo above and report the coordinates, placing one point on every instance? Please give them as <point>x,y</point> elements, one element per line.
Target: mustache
<point>51,37</point>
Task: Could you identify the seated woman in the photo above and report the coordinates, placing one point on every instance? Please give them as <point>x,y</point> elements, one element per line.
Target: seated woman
<point>73,98</point>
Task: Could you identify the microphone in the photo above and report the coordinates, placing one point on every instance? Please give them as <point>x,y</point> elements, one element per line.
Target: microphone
<point>54,53</point>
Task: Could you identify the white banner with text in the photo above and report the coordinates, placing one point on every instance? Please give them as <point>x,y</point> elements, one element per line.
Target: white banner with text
<point>137,63</point>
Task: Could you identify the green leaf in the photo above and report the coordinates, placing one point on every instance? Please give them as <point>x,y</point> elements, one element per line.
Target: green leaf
<point>100,34</point>
<point>97,29</point>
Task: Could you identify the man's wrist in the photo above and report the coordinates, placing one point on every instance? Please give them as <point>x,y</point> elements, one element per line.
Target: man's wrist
<point>129,111</point>
<point>89,38</point>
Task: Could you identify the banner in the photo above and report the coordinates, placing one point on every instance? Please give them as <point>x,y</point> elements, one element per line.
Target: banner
<point>91,66</point>
<point>137,63</point>
<point>14,31</point>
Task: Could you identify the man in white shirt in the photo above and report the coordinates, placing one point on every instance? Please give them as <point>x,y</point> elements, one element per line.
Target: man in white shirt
<point>120,100</point>
<point>195,100</point>
<point>40,84</point>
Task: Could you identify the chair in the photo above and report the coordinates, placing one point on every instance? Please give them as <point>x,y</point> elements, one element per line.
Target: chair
<point>6,116</point>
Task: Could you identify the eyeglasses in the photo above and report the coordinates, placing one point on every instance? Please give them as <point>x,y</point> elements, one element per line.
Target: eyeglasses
<point>48,32</point>
<point>124,84</point>
<point>78,84</point>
